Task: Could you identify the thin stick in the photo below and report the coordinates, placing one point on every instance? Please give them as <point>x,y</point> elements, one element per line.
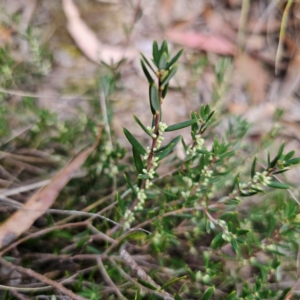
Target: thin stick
<point>58,286</point>
<point>107,278</point>
<point>282,34</point>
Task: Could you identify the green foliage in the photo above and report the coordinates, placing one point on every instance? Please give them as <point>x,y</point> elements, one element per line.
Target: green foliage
<point>218,224</point>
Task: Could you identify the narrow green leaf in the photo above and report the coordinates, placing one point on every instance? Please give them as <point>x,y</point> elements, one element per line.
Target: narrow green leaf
<point>277,157</point>
<point>207,109</point>
<point>173,280</point>
<point>134,235</point>
<point>183,144</point>
<point>280,151</point>
<point>121,203</point>
<point>209,116</point>
<point>165,90</point>
<point>147,62</point>
<point>269,160</point>
<point>141,124</point>
<point>129,183</point>
<point>147,74</point>
<point>155,53</point>
<point>175,58</point>
<point>231,296</point>
<point>280,171</point>
<point>278,185</point>
<point>177,297</point>
<point>217,241</point>
<point>134,142</point>
<point>146,284</point>
<point>173,71</point>
<point>195,125</point>
<point>292,161</point>
<point>137,295</point>
<point>163,152</point>
<point>289,155</point>
<point>181,125</point>
<point>248,194</point>
<point>163,61</point>
<point>253,167</point>
<point>154,98</point>
<point>164,47</point>
<point>208,293</point>
<point>235,246</point>
<point>137,160</point>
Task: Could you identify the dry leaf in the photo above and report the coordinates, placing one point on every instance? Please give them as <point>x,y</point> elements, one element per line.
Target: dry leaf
<point>201,41</point>
<point>87,41</point>
<point>38,204</point>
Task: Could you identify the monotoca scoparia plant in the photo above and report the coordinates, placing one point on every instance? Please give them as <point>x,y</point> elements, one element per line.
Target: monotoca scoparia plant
<point>212,243</point>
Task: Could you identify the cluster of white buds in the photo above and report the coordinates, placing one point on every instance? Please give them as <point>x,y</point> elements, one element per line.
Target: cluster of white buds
<point>111,170</point>
<point>185,194</point>
<point>152,130</point>
<point>148,184</point>
<point>150,173</point>
<point>141,197</point>
<point>207,172</point>
<point>260,178</point>
<point>161,129</point>
<point>129,218</point>
<point>197,146</point>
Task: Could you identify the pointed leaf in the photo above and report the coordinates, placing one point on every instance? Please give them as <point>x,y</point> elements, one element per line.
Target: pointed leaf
<point>164,151</point>
<point>278,185</point>
<point>165,90</point>
<point>137,160</point>
<point>177,297</point>
<point>208,293</point>
<point>129,183</point>
<point>217,241</point>
<point>147,62</point>
<point>141,124</point>
<point>164,47</point>
<point>154,98</point>
<point>277,157</point>
<point>253,167</point>
<point>280,171</point>
<point>181,125</point>
<point>231,296</point>
<point>155,53</point>
<point>209,116</point>
<point>173,280</point>
<point>147,74</point>
<point>137,295</point>
<point>146,284</point>
<point>184,144</point>
<point>134,235</point>
<point>175,58</point>
<point>163,61</point>
<point>121,203</point>
<point>170,75</point>
<point>134,142</point>
<point>289,155</point>
<point>292,161</point>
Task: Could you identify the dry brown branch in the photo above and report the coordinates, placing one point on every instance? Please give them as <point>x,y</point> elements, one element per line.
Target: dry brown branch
<point>108,279</point>
<point>38,204</point>
<point>31,273</point>
<point>141,273</point>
